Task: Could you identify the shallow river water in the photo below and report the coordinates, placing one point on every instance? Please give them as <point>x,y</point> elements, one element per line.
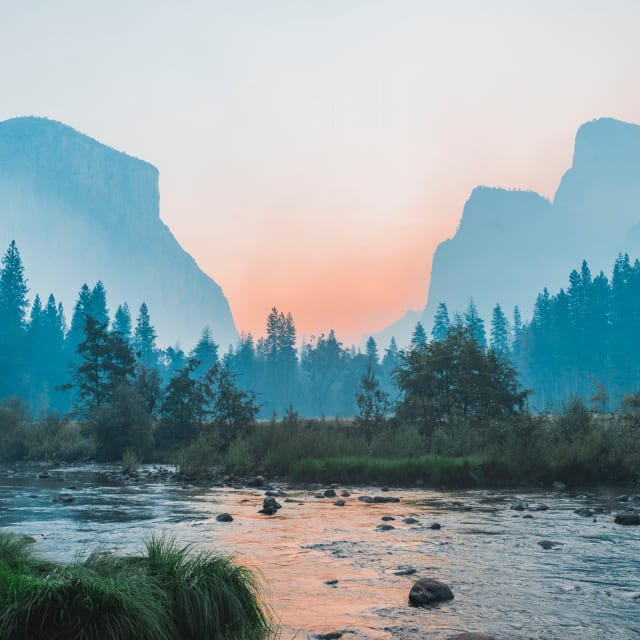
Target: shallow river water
<point>587,586</point>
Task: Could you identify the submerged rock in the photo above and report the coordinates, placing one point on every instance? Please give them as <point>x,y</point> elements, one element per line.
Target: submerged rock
<point>427,591</point>
<point>585,512</point>
<point>339,503</point>
<point>385,527</point>
<point>409,571</point>
<point>382,499</point>
<point>549,544</point>
<point>629,517</point>
<point>435,525</point>
<point>64,498</point>
<point>367,499</point>
<point>470,635</point>
<point>411,521</point>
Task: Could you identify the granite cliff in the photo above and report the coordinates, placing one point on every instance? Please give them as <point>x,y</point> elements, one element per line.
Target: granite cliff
<point>509,245</point>
<point>81,212</point>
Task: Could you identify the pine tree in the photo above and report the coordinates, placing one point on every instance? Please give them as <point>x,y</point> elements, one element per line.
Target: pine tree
<point>205,352</point>
<point>106,362</point>
<point>419,336</point>
<point>122,321</point>
<point>499,332</point>
<point>372,351</point>
<point>144,339</point>
<point>441,323</point>
<point>13,309</point>
<point>475,324</point>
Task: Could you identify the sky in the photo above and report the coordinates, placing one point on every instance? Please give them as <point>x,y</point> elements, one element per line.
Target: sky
<point>312,155</point>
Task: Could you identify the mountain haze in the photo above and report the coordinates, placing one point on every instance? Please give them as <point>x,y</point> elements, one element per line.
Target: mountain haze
<point>511,244</point>
<point>80,211</point>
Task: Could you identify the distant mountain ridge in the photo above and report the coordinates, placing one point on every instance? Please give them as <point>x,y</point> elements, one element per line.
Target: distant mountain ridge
<point>511,244</point>
<point>80,211</point>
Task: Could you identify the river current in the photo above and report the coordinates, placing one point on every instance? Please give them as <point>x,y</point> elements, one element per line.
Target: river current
<point>325,568</point>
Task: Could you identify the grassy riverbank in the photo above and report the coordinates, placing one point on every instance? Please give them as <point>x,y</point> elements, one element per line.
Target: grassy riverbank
<point>169,593</point>
<point>576,446</point>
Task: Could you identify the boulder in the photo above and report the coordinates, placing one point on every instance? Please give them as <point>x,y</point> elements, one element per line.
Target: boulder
<point>268,511</point>
<point>427,591</point>
<point>330,493</point>
<point>385,527</point>
<point>339,503</point>
<point>367,499</point>
<point>519,505</point>
<point>255,481</point>
<point>387,518</point>
<point>270,501</point>
<point>629,517</point>
<point>224,517</point>
<point>435,525</point>
<point>411,521</point>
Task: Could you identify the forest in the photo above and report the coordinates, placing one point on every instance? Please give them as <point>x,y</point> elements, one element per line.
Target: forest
<point>453,402</point>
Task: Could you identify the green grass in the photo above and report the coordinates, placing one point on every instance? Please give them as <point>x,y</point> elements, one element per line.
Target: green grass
<point>432,470</point>
<point>171,593</point>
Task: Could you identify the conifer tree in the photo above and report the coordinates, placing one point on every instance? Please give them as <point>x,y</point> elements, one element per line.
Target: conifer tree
<point>419,336</point>
<point>144,339</point>
<point>499,332</point>
<point>441,322</point>
<point>122,321</point>
<point>13,309</point>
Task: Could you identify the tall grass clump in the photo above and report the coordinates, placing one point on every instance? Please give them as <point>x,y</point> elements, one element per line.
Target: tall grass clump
<point>209,596</point>
<point>171,593</point>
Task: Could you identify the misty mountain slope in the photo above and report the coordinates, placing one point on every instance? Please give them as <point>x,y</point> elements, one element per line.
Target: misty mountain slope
<point>511,244</point>
<point>81,211</point>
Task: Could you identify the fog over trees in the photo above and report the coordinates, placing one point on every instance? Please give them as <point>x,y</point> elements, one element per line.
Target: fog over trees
<point>582,341</point>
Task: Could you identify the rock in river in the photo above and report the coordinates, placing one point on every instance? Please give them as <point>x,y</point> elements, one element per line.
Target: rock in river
<point>471,635</point>
<point>426,591</point>
<point>224,517</point>
<point>270,501</point>
<point>629,517</point>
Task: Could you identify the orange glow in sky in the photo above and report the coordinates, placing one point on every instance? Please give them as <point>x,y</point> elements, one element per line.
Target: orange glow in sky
<point>313,154</point>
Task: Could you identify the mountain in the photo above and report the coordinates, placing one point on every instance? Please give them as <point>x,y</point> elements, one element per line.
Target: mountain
<point>509,245</point>
<point>80,211</point>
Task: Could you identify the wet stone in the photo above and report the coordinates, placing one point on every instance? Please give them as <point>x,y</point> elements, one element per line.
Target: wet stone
<point>629,517</point>
<point>427,591</point>
<point>549,544</point>
<point>385,527</point>
<point>339,503</point>
<point>435,525</point>
<point>330,493</point>
<point>224,517</point>
<point>411,521</point>
<point>387,518</point>
<point>409,571</point>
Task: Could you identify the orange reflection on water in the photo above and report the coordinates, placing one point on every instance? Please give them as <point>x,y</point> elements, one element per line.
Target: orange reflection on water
<point>311,541</point>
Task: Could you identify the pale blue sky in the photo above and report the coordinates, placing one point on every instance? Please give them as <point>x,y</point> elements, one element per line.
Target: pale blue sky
<point>312,154</point>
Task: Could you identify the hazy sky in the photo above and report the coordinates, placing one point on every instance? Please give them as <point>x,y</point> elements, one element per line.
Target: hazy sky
<point>313,154</point>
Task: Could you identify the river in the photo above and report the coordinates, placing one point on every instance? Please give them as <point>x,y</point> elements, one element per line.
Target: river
<point>505,583</point>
